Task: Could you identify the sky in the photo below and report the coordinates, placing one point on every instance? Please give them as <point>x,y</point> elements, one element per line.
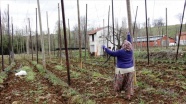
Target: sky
<point>21,10</point>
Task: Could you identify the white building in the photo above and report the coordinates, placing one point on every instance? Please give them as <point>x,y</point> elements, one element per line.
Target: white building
<point>98,38</point>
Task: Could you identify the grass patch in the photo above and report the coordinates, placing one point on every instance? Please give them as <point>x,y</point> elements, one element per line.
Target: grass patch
<point>30,74</point>
<point>3,76</point>
<point>40,68</point>
<point>145,71</point>
<point>59,67</point>
<point>53,79</point>
<point>97,75</point>
<point>34,63</point>
<point>75,74</point>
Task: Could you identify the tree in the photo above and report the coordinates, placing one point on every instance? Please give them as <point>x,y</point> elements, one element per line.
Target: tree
<point>158,23</point>
<point>117,36</point>
<point>179,17</point>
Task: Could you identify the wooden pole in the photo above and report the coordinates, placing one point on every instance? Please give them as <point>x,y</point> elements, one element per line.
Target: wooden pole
<point>108,27</point>
<point>54,43</point>
<point>42,37</point>
<point>86,35</point>
<point>129,16</point>
<point>24,44</point>
<point>65,38</point>
<point>30,38</point>
<point>180,31</point>
<point>79,34</point>
<point>166,31</point>
<point>59,35</point>
<point>27,42</point>
<point>17,37</point>
<point>113,30</point>
<point>69,38</point>
<point>21,37</point>
<point>48,37</point>
<point>135,80</point>
<point>9,37</point>
<point>103,37</point>
<point>36,38</point>
<point>147,31</point>
<point>135,23</point>
<point>12,41</point>
<point>2,56</point>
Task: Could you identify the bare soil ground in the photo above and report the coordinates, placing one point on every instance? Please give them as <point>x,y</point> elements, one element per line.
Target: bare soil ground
<point>158,82</point>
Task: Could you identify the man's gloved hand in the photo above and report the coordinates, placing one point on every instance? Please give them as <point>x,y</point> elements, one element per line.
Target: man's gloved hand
<point>103,47</point>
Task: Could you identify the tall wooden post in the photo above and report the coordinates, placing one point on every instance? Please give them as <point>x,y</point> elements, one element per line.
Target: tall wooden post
<point>167,39</point>
<point>130,30</point>
<point>103,29</point>
<point>147,31</point>
<point>54,46</point>
<point>129,16</point>
<point>42,37</point>
<point>135,45</point>
<point>59,36</point>
<point>2,56</point>
<point>12,41</point>
<point>36,38</point>
<point>30,38</point>
<point>21,40</point>
<point>113,30</point>
<point>48,37</point>
<point>27,41</point>
<point>86,35</point>
<point>79,34</point>
<point>69,38</point>
<point>180,31</point>
<point>65,38</point>
<point>9,37</point>
<point>108,36</point>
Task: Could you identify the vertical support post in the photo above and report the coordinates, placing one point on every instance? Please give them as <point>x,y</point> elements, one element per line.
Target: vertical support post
<point>108,27</point>
<point>27,42</point>
<point>103,37</point>
<point>59,35</point>
<point>36,38</point>
<point>113,29</point>
<point>79,34</point>
<point>54,44</point>
<point>65,38</point>
<point>69,42</point>
<point>135,27</point>
<point>180,31</point>
<point>21,37</point>
<point>9,37</point>
<point>12,41</point>
<point>86,35</point>
<point>42,37</point>
<point>167,39</point>
<point>129,16</point>
<point>48,37</point>
<point>147,31</point>
<point>30,38</point>
<point>2,56</point>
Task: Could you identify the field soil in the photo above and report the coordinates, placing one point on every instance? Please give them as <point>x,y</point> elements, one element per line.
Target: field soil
<point>158,82</point>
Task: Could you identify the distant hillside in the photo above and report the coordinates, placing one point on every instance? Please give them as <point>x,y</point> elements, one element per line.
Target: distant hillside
<point>172,30</point>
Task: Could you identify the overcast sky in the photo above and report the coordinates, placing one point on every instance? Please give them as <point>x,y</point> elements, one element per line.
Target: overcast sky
<point>20,10</point>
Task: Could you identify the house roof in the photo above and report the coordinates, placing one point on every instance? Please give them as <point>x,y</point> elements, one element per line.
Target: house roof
<point>95,31</point>
<point>182,33</point>
<point>151,38</point>
<point>144,38</point>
